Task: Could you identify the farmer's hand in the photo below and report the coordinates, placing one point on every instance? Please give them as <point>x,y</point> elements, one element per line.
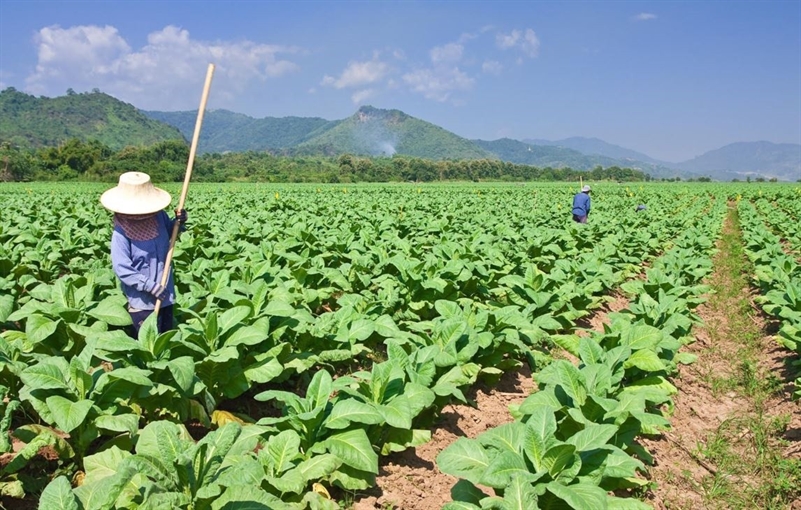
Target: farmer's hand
<point>181,216</point>
<point>159,292</point>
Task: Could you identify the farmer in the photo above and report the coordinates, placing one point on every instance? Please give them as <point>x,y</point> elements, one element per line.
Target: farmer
<point>139,246</point>
<point>641,207</point>
<point>581,205</point>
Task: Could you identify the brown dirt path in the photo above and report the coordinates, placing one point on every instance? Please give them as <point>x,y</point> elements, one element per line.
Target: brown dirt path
<point>712,456</point>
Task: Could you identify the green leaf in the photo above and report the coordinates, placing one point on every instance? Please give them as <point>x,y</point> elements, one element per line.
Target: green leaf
<point>557,458</point>
<point>111,311</point>
<point>58,495</point>
<point>397,413</point>
<point>354,449</point>
<point>464,458</point>
<point>232,317</point>
<point>283,448</point>
<point>579,495</point>
<point>50,374</point>
<point>566,375</point>
<point>104,464</point>
<point>641,337</point>
<point>350,410</point>
<point>520,494</point>
<point>118,423</point>
<point>502,467</point>
<point>183,371</point>
<point>320,388</point>
<point>646,360</point>
<point>593,436</point>
<point>68,415</point>
<point>278,308</point>
<point>6,306</point>
<point>318,467</point>
<point>39,327</point>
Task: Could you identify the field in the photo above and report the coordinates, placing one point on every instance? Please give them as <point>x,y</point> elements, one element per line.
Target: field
<point>457,346</point>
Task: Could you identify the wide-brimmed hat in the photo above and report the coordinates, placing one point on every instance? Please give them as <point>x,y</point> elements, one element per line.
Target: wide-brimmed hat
<point>586,188</point>
<point>135,194</point>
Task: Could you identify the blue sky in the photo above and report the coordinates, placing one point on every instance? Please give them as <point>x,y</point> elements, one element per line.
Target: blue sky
<point>672,79</point>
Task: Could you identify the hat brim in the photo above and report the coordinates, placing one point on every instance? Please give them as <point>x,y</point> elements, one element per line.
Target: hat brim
<point>116,200</point>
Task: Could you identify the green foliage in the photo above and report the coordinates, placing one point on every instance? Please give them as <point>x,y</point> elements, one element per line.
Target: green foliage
<point>28,121</point>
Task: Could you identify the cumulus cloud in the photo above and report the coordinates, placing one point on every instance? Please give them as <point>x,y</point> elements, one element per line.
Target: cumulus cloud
<point>451,52</point>
<point>526,42</point>
<point>438,83</point>
<point>644,16</point>
<point>361,96</point>
<point>166,73</point>
<point>492,67</point>
<point>357,74</point>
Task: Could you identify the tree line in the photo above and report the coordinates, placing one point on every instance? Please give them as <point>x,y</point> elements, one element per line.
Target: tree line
<point>76,160</point>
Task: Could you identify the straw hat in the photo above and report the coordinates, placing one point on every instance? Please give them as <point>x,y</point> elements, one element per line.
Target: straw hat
<point>585,189</point>
<point>135,194</point>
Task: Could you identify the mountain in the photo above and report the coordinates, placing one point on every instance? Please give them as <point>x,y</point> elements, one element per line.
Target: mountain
<point>225,131</point>
<point>591,146</point>
<point>749,159</point>
<point>29,121</point>
<point>372,131</point>
<point>557,156</point>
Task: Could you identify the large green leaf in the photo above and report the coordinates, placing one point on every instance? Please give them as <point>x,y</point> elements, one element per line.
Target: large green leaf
<point>38,328</point>
<point>646,360</point>
<point>593,436</point>
<point>464,458</point>
<point>349,410</point>
<point>68,415</point>
<point>354,449</point>
<point>283,448</point>
<point>58,496</point>
<point>111,311</point>
<point>580,496</point>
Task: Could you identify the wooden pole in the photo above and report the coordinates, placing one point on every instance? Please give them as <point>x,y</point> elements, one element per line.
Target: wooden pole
<point>165,277</point>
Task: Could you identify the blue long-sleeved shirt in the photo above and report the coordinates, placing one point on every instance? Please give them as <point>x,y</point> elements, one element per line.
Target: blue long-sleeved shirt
<point>581,204</point>
<point>140,264</point>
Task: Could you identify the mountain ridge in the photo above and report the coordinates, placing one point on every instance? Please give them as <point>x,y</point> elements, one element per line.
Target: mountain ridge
<point>30,121</point>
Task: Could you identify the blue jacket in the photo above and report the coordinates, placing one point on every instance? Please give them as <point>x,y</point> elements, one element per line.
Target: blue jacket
<point>581,204</point>
<point>140,264</point>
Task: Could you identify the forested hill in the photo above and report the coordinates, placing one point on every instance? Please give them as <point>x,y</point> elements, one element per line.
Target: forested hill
<point>30,121</point>
<point>226,131</point>
<point>376,132</point>
<point>368,132</point>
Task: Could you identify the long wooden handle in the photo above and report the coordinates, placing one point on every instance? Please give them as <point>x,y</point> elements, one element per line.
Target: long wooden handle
<point>165,276</point>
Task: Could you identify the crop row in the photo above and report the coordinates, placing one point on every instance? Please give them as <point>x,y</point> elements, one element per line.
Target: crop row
<point>574,440</point>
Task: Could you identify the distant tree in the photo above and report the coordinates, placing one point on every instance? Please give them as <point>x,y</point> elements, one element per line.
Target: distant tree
<point>70,92</point>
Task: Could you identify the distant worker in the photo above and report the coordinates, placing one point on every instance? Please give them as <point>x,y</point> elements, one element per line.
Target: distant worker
<point>581,205</point>
<point>139,244</point>
<point>641,207</point>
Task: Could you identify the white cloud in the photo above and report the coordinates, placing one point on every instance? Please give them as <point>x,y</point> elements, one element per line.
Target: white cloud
<point>451,52</point>
<point>362,95</point>
<point>166,73</point>
<point>644,16</point>
<point>527,42</point>
<point>438,83</point>
<point>358,74</point>
<point>492,67</point>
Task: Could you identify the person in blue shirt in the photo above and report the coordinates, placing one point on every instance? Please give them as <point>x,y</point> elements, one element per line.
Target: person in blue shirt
<point>581,205</point>
<point>139,245</point>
